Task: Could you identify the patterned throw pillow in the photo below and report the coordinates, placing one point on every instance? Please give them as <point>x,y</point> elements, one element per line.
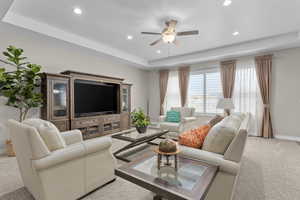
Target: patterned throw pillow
<point>215,120</point>
<point>173,116</point>
<point>194,137</point>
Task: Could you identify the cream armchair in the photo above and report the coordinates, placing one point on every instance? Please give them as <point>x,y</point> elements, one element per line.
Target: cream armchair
<point>187,115</point>
<point>64,174</point>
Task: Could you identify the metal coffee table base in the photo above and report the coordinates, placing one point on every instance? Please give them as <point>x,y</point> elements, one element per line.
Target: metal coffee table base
<point>134,143</point>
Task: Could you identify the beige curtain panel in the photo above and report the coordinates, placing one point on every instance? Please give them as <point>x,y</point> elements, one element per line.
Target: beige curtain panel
<point>184,77</point>
<point>228,69</point>
<point>163,84</point>
<point>264,74</point>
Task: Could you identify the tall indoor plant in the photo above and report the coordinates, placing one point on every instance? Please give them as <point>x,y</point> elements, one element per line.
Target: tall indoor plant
<point>20,86</point>
<point>140,120</point>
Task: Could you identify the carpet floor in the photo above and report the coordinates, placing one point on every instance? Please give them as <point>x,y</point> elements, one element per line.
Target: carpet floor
<point>270,171</point>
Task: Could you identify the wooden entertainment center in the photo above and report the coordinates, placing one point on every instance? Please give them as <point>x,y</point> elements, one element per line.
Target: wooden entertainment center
<point>59,104</point>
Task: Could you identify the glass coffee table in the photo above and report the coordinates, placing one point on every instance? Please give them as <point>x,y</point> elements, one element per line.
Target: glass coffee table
<point>190,182</point>
<point>134,138</point>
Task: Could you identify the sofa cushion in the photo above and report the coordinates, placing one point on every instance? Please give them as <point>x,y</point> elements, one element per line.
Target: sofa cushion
<point>27,141</point>
<point>173,116</point>
<point>49,133</point>
<point>218,139</point>
<point>231,121</point>
<point>194,137</point>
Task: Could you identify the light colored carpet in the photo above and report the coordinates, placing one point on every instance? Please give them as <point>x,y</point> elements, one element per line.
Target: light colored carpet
<point>270,171</point>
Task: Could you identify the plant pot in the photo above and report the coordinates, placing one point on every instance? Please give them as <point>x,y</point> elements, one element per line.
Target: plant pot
<point>141,129</point>
<point>9,148</point>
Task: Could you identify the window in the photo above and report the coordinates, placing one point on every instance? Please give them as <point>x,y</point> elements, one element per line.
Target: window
<point>205,90</point>
<point>172,98</point>
<point>246,95</point>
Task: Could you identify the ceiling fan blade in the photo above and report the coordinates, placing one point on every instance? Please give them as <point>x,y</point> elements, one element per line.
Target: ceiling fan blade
<point>195,32</point>
<point>155,42</point>
<point>150,33</point>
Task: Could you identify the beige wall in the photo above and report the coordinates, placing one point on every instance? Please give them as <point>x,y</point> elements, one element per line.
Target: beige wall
<point>285,92</point>
<point>55,56</point>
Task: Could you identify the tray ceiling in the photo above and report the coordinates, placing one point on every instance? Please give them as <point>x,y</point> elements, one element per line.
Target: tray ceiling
<point>105,25</point>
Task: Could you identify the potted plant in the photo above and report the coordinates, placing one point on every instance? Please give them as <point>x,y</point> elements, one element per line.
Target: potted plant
<point>140,120</point>
<point>20,87</point>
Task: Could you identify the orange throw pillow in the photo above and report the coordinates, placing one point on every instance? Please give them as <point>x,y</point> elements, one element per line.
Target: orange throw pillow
<point>195,137</point>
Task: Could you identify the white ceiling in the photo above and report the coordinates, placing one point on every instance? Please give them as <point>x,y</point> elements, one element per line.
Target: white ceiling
<point>104,25</point>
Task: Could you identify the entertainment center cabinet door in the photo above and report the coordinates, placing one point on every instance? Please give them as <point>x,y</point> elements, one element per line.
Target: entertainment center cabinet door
<point>55,90</point>
<point>125,106</point>
<point>60,101</point>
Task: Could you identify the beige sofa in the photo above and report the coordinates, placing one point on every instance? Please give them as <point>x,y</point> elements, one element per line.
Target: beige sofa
<point>187,115</point>
<point>223,185</point>
<point>64,174</point>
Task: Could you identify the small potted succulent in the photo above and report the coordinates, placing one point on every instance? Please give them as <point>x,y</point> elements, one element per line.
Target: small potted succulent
<point>140,120</point>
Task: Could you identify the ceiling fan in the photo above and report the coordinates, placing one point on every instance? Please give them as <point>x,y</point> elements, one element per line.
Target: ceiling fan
<point>169,34</point>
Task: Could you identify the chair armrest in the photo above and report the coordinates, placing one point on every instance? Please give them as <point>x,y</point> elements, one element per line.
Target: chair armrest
<point>72,137</point>
<point>97,144</point>
<point>162,118</point>
<point>60,156</point>
<point>211,158</point>
<point>188,119</point>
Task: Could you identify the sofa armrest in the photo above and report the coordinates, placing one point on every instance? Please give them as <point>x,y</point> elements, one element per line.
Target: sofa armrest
<point>188,119</point>
<point>162,118</point>
<point>211,158</point>
<point>60,156</point>
<point>72,137</point>
<point>97,144</point>
<point>236,148</point>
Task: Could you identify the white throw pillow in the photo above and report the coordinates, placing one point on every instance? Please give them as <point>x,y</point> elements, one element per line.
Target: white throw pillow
<point>49,133</point>
<point>218,139</point>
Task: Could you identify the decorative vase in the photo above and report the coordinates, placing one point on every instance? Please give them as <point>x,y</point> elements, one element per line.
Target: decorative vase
<point>167,146</point>
<point>141,129</point>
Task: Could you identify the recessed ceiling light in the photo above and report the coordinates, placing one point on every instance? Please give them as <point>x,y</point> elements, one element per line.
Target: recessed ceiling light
<point>129,37</point>
<point>158,51</point>
<point>235,33</point>
<point>77,11</point>
<point>227,2</point>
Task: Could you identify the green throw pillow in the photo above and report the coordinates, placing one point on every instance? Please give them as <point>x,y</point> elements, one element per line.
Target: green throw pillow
<point>173,116</point>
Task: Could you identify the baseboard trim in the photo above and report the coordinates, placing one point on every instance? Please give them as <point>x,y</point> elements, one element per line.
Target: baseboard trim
<point>285,137</point>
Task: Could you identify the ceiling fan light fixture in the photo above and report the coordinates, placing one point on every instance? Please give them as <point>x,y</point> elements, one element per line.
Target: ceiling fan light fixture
<point>168,37</point>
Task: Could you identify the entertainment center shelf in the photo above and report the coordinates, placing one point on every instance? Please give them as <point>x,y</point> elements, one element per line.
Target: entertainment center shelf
<point>97,106</point>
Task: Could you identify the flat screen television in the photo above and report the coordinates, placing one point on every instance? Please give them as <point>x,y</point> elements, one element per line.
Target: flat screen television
<point>94,98</point>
